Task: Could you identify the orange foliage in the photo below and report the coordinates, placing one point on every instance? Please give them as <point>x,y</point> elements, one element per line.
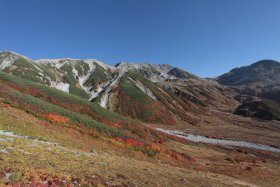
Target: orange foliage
<point>130,142</point>
<point>155,147</point>
<point>133,142</point>
<point>110,123</point>
<point>56,118</point>
<point>176,156</point>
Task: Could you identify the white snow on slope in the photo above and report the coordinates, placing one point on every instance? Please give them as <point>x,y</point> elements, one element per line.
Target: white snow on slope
<point>8,58</point>
<point>7,61</point>
<point>57,63</point>
<point>154,72</point>
<point>104,100</point>
<point>60,86</point>
<point>105,66</point>
<point>95,93</point>
<point>90,64</point>
<point>157,72</point>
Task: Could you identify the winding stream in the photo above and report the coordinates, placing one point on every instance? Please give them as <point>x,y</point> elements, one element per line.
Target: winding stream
<point>198,138</point>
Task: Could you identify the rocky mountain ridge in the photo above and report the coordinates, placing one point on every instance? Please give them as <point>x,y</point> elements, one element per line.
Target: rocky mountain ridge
<point>149,92</point>
<point>258,86</point>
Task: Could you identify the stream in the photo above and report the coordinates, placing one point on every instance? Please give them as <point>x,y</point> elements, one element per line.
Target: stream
<point>203,139</point>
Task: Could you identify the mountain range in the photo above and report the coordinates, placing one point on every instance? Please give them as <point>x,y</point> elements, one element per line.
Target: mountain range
<point>82,122</point>
<point>136,90</point>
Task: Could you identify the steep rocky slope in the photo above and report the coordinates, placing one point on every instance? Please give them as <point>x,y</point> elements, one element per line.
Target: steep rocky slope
<point>152,93</point>
<point>156,93</point>
<point>258,86</point>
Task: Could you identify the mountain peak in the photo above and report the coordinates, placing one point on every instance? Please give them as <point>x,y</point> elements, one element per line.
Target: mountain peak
<point>7,52</point>
<point>265,62</point>
<point>264,72</point>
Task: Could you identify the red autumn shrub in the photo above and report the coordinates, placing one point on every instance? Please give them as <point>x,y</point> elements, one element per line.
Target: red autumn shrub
<point>56,118</point>
<point>155,147</point>
<point>176,156</point>
<point>53,100</point>
<point>133,142</point>
<point>191,159</point>
<point>13,86</point>
<point>110,123</point>
<point>33,91</point>
<point>118,139</point>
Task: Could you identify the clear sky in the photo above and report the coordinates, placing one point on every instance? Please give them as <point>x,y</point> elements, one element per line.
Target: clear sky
<point>204,37</point>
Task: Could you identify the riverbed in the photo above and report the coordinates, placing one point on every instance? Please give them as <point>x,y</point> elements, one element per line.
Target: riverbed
<point>203,139</point>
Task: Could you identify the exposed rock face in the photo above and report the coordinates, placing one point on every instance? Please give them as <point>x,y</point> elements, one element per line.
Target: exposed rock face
<point>157,93</point>
<point>259,88</point>
<point>260,74</point>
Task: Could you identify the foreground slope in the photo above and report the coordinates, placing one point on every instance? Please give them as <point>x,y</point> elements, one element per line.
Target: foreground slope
<point>38,151</point>
<point>58,159</point>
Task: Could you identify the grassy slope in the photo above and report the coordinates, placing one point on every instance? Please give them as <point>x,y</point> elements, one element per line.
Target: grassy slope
<point>79,156</point>
<point>71,161</point>
<point>67,102</point>
<point>70,79</point>
<point>133,91</point>
<point>99,76</point>
<point>60,96</point>
<point>139,105</point>
<point>79,148</point>
<point>43,107</point>
<point>25,70</point>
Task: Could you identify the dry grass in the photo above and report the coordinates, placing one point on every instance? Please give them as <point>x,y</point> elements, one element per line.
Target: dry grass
<point>90,159</point>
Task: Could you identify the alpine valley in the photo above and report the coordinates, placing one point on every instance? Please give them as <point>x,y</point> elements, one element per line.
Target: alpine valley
<point>81,122</point>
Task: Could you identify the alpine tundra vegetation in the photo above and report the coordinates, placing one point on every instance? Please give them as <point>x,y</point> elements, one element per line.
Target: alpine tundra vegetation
<point>75,122</point>
<point>161,93</point>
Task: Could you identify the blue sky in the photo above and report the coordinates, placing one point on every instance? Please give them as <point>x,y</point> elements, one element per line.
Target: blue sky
<point>204,37</point>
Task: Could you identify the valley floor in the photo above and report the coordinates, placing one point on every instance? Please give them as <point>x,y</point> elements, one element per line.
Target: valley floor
<point>32,152</point>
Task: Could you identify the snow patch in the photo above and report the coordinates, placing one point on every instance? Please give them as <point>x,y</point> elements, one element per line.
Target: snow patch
<point>60,86</point>
<point>54,62</point>
<point>105,66</point>
<point>104,100</point>
<point>90,64</point>
<point>101,88</point>
<point>76,73</point>
<point>7,60</point>
<point>155,72</point>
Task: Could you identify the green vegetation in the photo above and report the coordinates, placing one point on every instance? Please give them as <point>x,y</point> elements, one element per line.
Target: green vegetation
<point>62,96</point>
<point>26,70</point>
<point>71,80</point>
<point>46,107</point>
<point>22,62</point>
<point>47,70</point>
<point>98,76</point>
<point>138,76</point>
<point>132,90</point>
<point>181,73</point>
<point>85,67</point>
<point>79,68</point>
<point>15,177</point>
